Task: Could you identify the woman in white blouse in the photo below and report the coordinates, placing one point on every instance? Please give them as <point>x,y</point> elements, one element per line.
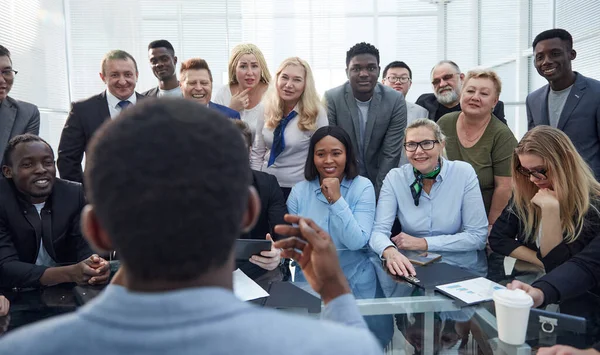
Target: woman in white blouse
<point>292,113</point>
<point>249,79</point>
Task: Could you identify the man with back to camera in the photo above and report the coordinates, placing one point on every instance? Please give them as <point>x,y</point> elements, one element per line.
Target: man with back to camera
<point>372,114</point>
<point>447,80</point>
<point>16,117</point>
<point>172,205</point>
<point>161,55</point>
<point>39,222</point>
<point>120,74</point>
<point>195,79</point>
<point>570,101</point>
<point>398,76</point>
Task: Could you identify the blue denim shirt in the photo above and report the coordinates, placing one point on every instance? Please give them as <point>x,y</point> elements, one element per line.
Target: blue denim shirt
<point>349,220</point>
<point>451,217</point>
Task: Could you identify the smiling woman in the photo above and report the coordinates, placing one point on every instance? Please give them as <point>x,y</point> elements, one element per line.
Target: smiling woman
<point>333,195</point>
<point>477,137</point>
<point>291,114</point>
<point>438,204</point>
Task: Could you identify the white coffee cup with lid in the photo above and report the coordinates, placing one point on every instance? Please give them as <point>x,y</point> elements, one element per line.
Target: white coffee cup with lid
<point>512,314</point>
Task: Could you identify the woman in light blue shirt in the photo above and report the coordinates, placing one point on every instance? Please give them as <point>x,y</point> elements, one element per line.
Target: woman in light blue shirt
<point>333,194</point>
<point>438,203</point>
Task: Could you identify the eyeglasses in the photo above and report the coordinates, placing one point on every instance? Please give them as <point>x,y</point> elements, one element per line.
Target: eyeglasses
<point>395,79</point>
<point>425,145</point>
<point>446,77</point>
<point>538,174</point>
<point>9,73</point>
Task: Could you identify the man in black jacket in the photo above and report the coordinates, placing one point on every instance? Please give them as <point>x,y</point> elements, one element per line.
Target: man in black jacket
<point>120,73</point>
<point>447,81</point>
<point>579,275</point>
<point>269,265</point>
<point>40,236</point>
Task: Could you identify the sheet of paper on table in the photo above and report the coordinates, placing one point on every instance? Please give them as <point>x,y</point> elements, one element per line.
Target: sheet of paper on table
<point>471,291</point>
<point>245,288</point>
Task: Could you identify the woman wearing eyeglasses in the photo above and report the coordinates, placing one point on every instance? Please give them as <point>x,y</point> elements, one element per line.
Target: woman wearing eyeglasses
<point>554,212</point>
<point>438,204</point>
<point>477,137</point>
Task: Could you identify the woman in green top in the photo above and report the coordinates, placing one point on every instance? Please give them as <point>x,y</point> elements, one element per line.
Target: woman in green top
<point>474,135</point>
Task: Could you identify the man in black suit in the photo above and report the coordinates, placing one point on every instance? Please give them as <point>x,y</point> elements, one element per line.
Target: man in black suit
<point>119,73</point>
<point>447,80</point>
<point>272,209</point>
<point>16,117</point>
<point>161,55</point>
<point>40,222</point>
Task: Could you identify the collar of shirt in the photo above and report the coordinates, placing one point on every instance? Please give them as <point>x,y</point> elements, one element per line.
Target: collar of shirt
<point>113,101</point>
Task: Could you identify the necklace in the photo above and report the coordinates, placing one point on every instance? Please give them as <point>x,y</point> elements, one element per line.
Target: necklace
<point>462,131</point>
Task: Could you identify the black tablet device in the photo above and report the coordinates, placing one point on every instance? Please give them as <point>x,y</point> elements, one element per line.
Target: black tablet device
<point>245,248</point>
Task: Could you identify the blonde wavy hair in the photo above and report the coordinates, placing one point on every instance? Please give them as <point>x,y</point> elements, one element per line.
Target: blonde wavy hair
<point>485,74</point>
<point>308,106</point>
<point>247,48</point>
<point>572,180</point>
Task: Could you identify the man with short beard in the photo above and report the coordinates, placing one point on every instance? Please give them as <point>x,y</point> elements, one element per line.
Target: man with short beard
<point>447,81</point>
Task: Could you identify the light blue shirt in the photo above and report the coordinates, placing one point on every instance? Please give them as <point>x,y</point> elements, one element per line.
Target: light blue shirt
<point>206,320</point>
<point>451,217</point>
<point>348,221</point>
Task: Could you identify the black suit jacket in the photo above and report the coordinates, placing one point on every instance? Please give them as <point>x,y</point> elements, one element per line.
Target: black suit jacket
<point>272,210</point>
<point>84,119</point>
<point>431,104</point>
<point>21,230</point>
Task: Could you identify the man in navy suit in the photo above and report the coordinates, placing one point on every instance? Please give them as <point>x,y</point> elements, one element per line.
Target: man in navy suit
<point>196,82</point>
<point>120,74</point>
<point>570,101</point>
<point>16,117</point>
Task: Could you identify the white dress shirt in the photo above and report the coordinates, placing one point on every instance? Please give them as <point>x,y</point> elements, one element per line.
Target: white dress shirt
<point>113,103</point>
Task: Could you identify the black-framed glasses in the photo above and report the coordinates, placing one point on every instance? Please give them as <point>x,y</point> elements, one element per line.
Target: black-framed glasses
<point>400,79</point>
<point>425,145</point>
<point>9,73</point>
<point>539,174</point>
<point>447,77</point>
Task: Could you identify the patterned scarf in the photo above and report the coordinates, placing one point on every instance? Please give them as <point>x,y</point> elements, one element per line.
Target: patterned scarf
<point>417,186</point>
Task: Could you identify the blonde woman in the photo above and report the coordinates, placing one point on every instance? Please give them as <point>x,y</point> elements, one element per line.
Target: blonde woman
<point>249,79</point>
<point>292,113</point>
<point>476,136</point>
<point>554,211</point>
<point>438,204</point>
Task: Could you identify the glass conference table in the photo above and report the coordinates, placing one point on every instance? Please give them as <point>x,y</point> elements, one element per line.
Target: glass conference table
<point>404,318</point>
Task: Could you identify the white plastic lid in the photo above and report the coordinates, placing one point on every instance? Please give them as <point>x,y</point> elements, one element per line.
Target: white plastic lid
<point>513,298</point>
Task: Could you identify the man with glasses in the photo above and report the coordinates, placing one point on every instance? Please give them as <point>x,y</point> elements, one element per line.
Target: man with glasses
<point>372,114</point>
<point>447,81</point>
<point>16,117</point>
<point>398,76</point>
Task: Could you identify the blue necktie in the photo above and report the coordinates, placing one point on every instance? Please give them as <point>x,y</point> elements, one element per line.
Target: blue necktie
<point>278,140</point>
<point>124,104</point>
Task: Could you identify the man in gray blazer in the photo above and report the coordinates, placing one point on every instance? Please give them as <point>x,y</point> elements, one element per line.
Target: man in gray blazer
<point>16,117</point>
<point>374,115</point>
<point>570,101</point>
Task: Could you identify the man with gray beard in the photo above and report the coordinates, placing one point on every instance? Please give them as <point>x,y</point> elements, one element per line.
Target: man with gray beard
<point>447,81</point>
